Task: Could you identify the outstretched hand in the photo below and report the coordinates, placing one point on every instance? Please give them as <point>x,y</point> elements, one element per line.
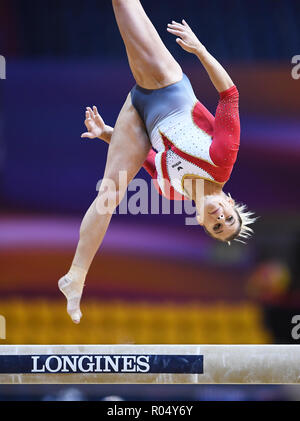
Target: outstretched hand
<point>187,39</point>
<point>94,123</point>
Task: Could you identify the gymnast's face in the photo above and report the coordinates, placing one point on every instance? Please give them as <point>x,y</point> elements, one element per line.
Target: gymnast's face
<point>220,219</point>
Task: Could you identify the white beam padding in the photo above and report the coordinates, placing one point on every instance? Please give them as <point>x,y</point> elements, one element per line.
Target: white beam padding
<point>149,364</point>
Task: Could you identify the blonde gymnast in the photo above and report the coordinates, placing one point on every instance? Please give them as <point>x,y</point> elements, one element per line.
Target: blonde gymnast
<point>163,127</point>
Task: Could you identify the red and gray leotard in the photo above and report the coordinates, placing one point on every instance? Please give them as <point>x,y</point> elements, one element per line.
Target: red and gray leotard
<point>188,139</point>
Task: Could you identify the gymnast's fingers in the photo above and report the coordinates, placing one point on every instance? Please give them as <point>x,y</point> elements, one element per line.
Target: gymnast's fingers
<point>176,26</point>
<point>88,122</point>
<point>182,44</point>
<point>91,112</point>
<point>186,24</point>
<point>175,32</point>
<point>88,135</point>
<point>176,23</point>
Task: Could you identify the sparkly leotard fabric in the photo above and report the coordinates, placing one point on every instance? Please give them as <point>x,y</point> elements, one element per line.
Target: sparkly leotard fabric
<point>188,140</point>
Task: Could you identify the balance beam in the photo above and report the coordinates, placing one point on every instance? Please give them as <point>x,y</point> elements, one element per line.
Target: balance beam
<point>149,364</point>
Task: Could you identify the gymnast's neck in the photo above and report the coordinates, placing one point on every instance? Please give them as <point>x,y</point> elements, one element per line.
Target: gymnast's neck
<point>196,190</point>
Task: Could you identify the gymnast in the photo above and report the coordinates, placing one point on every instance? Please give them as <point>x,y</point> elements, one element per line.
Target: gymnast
<point>164,128</point>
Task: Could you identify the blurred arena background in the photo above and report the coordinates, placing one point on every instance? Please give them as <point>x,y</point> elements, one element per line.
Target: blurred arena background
<point>156,280</point>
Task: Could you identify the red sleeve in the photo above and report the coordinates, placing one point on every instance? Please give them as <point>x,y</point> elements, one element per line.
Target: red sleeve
<point>203,118</point>
<point>226,137</point>
<point>149,164</point>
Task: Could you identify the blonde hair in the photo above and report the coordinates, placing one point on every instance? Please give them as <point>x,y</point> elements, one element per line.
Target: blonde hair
<point>245,218</point>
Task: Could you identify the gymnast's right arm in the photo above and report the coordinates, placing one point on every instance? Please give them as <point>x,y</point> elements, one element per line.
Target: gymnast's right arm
<point>190,43</point>
<point>98,129</point>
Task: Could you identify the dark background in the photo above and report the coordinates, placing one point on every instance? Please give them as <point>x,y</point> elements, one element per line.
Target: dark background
<point>64,55</point>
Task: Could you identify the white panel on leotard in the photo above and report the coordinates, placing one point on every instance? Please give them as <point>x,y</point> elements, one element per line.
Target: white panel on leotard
<point>183,133</point>
<point>188,137</point>
<point>179,167</point>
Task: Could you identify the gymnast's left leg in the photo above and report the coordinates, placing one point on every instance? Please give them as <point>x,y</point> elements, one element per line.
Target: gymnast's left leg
<point>127,152</point>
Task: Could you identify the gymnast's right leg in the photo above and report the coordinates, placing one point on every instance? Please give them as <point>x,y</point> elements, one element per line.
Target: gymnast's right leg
<point>151,63</point>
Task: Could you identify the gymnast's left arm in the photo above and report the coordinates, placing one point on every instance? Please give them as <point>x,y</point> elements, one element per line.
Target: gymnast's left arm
<point>226,139</point>
<point>190,43</point>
